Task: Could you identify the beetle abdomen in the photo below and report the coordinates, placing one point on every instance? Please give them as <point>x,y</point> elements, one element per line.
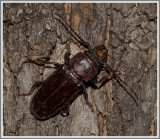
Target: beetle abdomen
<point>55,93</point>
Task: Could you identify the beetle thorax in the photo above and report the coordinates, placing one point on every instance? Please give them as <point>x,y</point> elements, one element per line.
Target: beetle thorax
<point>85,65</point>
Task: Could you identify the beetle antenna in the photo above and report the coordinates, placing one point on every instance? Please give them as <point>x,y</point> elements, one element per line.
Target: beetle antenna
<point>73,33</point>
<point>120,81</point>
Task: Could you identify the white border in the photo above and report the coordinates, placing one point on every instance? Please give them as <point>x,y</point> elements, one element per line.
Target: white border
<point>80,136</point>
<point>1,70</point>
<point>158,69</point>
<point>80,1</point>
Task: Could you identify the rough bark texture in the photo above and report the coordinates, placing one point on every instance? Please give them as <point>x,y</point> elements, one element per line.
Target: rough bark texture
<point>129,31</point>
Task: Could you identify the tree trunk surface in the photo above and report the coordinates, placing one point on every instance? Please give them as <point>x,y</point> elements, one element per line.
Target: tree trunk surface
<point>129,32</point>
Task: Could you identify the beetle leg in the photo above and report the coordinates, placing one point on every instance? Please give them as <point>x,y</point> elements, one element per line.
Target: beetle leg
<point>86,98</point>
<point>66,58</point>
<point>40,62</point>
<point>103,80</point>
<point>94,80</point>
<point>35,85</point>
<point>65,110</point>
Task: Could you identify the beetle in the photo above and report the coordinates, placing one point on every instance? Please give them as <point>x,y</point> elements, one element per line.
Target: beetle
<point>55,94</point>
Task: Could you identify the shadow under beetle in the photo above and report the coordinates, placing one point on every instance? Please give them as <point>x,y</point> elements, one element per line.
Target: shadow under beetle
<point>55,94</point>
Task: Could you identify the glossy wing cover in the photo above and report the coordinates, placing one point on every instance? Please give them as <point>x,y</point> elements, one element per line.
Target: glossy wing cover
<point>55,93</point>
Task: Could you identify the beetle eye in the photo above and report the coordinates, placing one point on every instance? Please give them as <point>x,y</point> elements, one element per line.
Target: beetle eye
<point>101,52</point>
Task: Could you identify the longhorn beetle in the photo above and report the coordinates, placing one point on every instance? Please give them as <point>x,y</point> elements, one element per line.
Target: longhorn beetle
<point>55,94</point>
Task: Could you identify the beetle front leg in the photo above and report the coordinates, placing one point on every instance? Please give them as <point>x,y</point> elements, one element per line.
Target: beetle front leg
<point>103,80</point>
<point>66,58</point>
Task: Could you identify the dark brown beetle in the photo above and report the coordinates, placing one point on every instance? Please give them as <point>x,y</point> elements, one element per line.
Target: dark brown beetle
<point>55,95</point>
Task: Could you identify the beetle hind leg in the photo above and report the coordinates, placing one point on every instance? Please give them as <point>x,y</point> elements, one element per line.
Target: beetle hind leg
<point>86,99</point>
<point>35,85</point>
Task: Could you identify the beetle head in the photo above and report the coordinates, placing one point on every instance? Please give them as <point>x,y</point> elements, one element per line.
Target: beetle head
<point>101,52</point>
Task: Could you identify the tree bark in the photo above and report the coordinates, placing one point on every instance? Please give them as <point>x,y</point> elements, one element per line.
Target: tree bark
<point>129,32</point>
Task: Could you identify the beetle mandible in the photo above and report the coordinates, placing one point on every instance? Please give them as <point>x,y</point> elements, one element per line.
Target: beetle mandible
<point>55,94</point>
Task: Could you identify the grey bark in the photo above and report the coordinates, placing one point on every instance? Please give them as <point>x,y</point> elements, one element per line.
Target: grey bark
<point>129,31</point>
